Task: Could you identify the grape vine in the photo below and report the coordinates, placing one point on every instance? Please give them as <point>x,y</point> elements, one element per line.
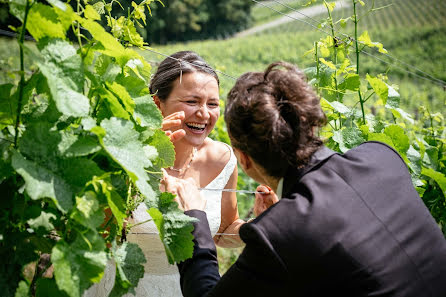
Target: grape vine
<point>81,146</point>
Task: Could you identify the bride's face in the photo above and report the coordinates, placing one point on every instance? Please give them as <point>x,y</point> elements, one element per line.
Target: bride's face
<point>198,96</point>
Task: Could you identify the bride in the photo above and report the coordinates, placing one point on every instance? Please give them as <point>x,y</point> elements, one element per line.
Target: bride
<point>186,90</point>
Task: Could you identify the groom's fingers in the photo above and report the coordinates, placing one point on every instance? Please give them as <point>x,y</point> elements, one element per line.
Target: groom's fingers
<point>264,200</point>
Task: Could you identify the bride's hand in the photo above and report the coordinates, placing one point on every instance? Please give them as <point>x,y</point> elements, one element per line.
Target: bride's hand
<point>264,201</point>
<point>172,122</point>
<point>188,195</point>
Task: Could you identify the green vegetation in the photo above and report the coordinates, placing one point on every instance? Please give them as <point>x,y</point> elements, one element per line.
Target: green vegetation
<point>81,147</point>
<point>262,14</point>
<point>399,108</point>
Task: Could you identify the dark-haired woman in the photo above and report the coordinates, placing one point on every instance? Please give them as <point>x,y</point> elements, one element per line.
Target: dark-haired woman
<point>346,225</point>
<point>186,90</point>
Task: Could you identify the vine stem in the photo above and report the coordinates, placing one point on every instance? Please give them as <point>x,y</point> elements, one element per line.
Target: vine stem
<point>357,58</point>
<point>22,72</point>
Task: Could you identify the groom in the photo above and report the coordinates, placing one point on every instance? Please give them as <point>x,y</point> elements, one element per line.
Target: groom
<point>348,224</point>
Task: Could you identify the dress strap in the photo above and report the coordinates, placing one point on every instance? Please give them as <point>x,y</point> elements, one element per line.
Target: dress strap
<point>222,179</point>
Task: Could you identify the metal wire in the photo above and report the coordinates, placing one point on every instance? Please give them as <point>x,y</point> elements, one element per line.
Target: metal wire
<point>180,60</point>
<point>156,233</point>
<point>232,190</point>
<point>428,78</point>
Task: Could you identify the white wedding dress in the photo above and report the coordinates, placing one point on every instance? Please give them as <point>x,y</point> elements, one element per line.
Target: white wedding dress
<point>160,278</point>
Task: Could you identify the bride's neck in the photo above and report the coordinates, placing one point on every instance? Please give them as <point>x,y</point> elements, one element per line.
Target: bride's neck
<point>183,152</point>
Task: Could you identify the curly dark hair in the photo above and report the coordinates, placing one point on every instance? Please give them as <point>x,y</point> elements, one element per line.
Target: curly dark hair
<point>173,67</point>
<point>273,116</point>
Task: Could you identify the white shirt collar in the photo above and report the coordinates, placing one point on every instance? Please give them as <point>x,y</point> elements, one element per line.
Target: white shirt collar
<point>279,188</point>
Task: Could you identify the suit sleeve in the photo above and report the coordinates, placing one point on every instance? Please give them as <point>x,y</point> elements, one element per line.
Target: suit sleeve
<point>199,274</point>
<point>258,269</point>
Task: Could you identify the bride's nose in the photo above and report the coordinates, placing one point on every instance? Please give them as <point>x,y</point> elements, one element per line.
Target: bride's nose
<point>203,112</point>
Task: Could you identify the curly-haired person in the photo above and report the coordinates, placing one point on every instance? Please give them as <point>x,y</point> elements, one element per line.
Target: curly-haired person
<point>341,224</point>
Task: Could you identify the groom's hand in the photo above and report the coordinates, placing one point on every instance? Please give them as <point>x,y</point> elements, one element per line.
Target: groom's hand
<point>264,201</point>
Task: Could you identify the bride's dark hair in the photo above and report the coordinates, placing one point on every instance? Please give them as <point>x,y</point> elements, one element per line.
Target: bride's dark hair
<point>273,116</point>
<point>173,67</point>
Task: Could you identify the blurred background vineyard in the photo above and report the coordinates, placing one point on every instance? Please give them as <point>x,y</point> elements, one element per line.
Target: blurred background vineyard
<point>413,31</point>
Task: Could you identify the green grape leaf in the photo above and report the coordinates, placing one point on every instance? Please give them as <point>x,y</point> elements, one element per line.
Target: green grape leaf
<point>348,138</point>
<point>365,39</point>
<point>139,12</point>
<point>87,211</point>
<point>131,35</point>
<point>43,21</point>
<point>175,228</point>
<point>22,290</point>
<point>329,64</point>
<point>40,143</point>
<point>78,171</point>
<point>120,92</point>
<point>72,145</point>
<point>107,68</point>
<point>399,138</point>
<point>393,98</point>
<point>122,143</point>
<point>393,103</point>
<point>109,44</point>
<point>62,67</point>
<point>99,7</point>
<point>17,8</point>
<point>381,89</point>
<point>117,206</point>
<point>46,287</point>
<point>438,177</point>
<point>139,68</point>
<point>91,13</point>
<point>42,221</point>
<point>165,148</point>
<point>79,264</point>
<point>415,160</point>
<point>113,104</point>
<point>351,82</point>
<point>42,183</point>
<point>135,86</point>
<point>394,136</point>
<point>146,112</point>
<point>339,107</point>
<point>8,105</point>
<point>129,260</point>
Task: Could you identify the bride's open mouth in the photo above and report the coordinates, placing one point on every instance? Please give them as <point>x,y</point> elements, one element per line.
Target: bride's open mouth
<point>196,127</point>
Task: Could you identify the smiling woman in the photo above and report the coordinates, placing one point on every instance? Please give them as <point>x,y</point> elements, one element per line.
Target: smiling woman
<point>186,90</point>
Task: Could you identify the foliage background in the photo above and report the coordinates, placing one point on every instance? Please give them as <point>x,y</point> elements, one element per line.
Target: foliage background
<point>412,32</point>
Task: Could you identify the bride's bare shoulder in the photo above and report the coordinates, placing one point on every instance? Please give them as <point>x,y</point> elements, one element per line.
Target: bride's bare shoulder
<point>216,153</point>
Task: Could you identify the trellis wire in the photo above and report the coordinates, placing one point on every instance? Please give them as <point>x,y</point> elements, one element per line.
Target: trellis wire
<point>157,233</point>
<point>180,60</point>
<point>429,78</point>
<point>232,190</point>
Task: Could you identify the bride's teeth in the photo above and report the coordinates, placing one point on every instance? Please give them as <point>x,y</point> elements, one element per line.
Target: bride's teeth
<point>200,126</point>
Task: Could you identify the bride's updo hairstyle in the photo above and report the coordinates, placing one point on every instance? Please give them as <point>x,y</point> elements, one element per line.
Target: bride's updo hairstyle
<point>174,67</point>
<point>273,116</point>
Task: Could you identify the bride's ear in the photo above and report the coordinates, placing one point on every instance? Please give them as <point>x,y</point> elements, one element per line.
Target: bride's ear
<point>157,101</point>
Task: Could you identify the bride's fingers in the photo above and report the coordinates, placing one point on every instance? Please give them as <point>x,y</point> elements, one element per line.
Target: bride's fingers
<point>169,124</point>
<point>176,115</point>
<point>177,135</point>
<point>173,120</point>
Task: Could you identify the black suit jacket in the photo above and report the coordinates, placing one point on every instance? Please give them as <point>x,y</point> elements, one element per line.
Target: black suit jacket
<point>347,225</point>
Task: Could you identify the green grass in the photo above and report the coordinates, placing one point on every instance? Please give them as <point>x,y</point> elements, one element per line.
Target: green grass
<point>262,14</point>
<point>388,14</point>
